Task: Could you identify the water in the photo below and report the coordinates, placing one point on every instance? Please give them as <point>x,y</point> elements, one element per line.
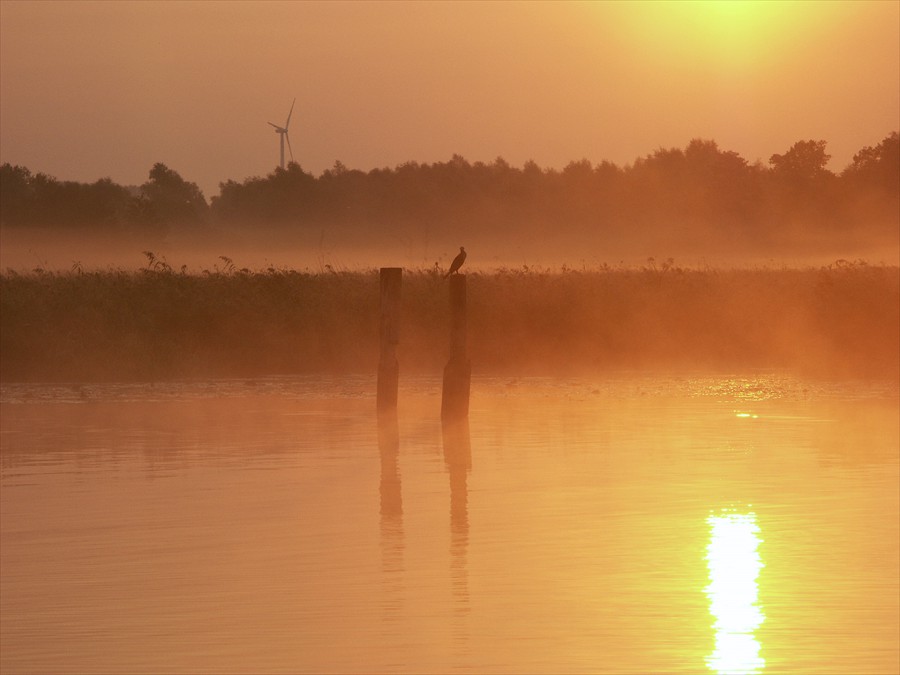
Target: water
<point>611,526</point>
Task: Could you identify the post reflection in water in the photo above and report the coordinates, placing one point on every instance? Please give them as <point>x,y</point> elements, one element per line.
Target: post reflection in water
<point>391,510</point>
<point>458,459</point>
<point>734,565</point>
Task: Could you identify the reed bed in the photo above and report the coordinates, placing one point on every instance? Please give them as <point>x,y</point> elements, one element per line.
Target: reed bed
<point>158,323</point>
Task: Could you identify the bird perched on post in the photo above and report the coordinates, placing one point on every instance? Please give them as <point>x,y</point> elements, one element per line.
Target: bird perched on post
<point>457,262</point>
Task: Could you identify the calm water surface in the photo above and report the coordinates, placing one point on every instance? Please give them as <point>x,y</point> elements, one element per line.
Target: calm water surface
<point>724,525</point>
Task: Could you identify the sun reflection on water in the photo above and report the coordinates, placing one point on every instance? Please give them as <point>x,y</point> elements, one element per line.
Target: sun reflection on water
<point>734,564</point>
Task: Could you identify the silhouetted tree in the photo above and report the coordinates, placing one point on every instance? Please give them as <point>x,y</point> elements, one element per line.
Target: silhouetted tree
<point>879,166</point>
<point>42,200</point>
<point>805,160</point>
<point>16,195</point>
<point>872,185</point>
<point>286,197</point>
<point>172,200</point>
<point>802,194</point>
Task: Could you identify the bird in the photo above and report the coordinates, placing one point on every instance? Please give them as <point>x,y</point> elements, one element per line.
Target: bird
<point>457,262</point>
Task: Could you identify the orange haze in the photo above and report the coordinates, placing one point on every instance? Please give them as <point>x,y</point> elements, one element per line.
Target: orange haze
<point>95,89</point>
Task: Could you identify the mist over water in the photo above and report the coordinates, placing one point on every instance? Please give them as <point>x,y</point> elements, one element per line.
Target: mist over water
<point>53,251</point>
<point>552,245</point>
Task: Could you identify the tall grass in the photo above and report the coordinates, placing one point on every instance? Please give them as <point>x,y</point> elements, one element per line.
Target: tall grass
<point>159,323</point>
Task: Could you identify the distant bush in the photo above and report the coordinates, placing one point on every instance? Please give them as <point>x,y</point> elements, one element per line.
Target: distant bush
<point>160,323</point>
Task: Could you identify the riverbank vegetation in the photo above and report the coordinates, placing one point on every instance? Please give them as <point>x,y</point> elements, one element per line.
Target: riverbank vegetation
<point>161,323</point>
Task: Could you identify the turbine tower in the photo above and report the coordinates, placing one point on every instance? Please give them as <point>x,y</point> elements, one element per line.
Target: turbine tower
<point>283,132</point>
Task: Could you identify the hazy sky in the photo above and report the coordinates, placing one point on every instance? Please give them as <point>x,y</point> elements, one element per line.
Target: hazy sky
<point>95,89</point>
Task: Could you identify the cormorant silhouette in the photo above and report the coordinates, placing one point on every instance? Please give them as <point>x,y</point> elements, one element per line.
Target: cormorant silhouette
<point>457,262</point>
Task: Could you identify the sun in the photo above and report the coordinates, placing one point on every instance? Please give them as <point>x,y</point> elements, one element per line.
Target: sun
<point>721,34</point>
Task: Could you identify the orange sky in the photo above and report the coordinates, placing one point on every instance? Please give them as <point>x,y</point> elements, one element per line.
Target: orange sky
<point>91,89</point>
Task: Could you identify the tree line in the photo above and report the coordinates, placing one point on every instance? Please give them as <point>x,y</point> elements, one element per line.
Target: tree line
<point>698,191</point>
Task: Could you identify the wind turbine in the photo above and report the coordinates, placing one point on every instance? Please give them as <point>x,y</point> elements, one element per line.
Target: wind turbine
<point>283,132</point>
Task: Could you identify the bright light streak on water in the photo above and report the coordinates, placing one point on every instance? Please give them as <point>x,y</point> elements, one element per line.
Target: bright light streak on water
<point>734,565</point>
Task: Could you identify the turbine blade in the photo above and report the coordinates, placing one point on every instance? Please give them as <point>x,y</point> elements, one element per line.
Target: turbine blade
<point>290,113</point>
<point>288,137</point>
<point>274,125</point>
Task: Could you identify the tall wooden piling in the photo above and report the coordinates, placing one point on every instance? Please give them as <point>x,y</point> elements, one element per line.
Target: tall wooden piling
<point>458,371</point>
<point>388,366</point>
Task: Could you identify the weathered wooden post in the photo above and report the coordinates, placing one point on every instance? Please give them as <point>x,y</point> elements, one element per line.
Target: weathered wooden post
<point>458,371</point>
<point>388,367</point>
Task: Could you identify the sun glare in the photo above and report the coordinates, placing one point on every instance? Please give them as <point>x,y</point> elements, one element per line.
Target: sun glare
<point>734,565</point>
<point>722,34</point>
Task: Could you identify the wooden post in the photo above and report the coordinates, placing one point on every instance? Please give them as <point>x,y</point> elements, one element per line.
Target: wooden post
<point>458,371</point>
<point>388,367</point>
